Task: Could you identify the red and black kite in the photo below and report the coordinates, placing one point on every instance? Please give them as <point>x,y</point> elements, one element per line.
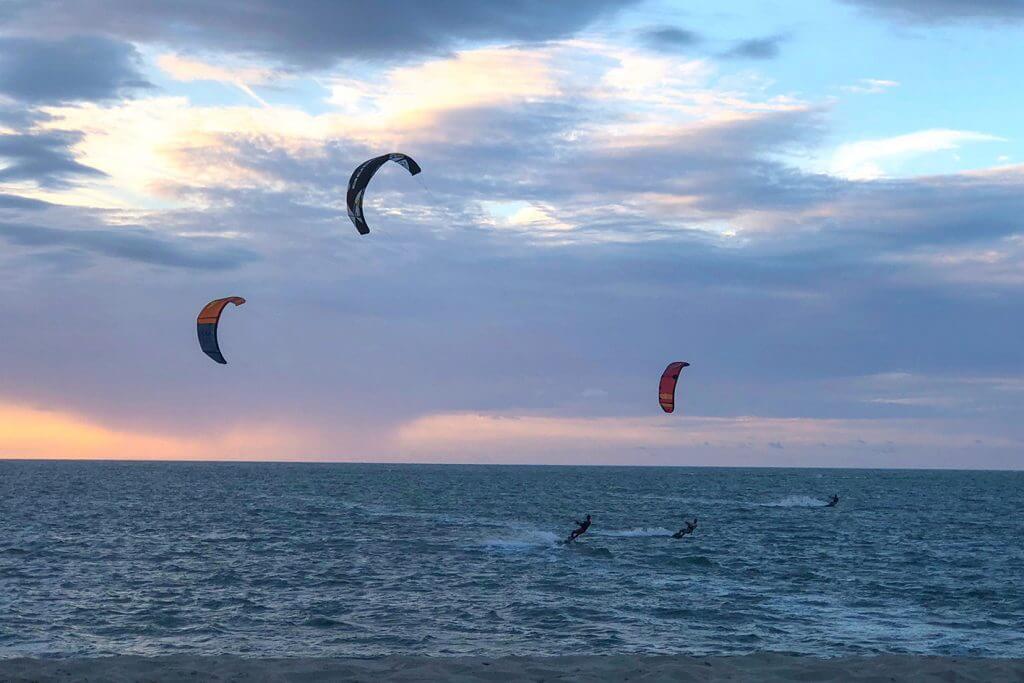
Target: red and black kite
<point>667,386</point>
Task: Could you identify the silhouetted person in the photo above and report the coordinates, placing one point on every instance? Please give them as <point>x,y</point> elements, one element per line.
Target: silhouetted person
<point>833,501</point>
<point>688,529</point>
<point>581,528</point>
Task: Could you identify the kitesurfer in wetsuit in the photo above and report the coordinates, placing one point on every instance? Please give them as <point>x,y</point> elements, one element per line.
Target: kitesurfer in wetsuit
<point>833,501</point>
<point>688,529</point>
<point>580,530</point>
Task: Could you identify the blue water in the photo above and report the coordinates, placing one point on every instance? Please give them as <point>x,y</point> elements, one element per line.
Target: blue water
<point>362,560</point>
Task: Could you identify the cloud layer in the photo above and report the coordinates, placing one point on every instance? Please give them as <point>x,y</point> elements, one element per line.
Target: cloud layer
<point>316,33</point>
<point>590,208</point>
<point>938,11</point>
<point>77,68</point>
<point>44,159</point>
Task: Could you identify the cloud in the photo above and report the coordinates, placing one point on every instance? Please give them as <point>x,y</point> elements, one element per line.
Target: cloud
<point>719,170</point>
<point>669,38</point>
<point>411,96</point>
<point>317,33</point>
<point>950,394</point>
<point>77,68</point>
<point>31,432</point>
<point>549,146</point>
<point>44,159</point>
<point>142,246</point>
<point>146,146</point>
<point>17,117</point>
<point>504,436</point>
<point>11,201</point>
<point>756,48</point>
<point>465,320</point>
<point>871,86</point>
<point>185,69</point>
<point>915,221</point>
<point>994,264</point>
<point>706,172</point>
<point>938,11</point>
<point>564,97</point>
<point>579,227</point>
<point>863,159</point>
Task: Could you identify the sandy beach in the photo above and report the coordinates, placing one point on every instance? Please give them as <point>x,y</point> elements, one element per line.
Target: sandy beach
<point>758,667</point>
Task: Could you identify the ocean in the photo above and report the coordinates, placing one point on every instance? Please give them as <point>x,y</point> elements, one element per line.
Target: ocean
<point>104,558</point>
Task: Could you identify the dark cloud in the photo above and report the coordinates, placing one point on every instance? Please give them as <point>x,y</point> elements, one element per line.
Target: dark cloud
<point>938,11</point>
<point>19,117</point>
<point>888,216</point>
<point>143,246</point>
<point>670,38</point>
<point>77,68</point>
<point>10,201</point>
<point>315,33</point>
<point>43,158</point>
<point>725,171</point>
<point>475,320</point>
<point>756,48</point>
<point>724,168</point>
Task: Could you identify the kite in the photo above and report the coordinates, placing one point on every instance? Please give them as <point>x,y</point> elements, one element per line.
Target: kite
<point>206,326</point>
<point>361,178</point>
<point>667,386</point>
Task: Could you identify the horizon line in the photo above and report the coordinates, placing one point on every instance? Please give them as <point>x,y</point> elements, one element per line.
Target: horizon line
<point>214,461</point>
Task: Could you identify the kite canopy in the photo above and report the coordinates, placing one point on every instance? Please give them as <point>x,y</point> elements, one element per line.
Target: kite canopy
<point>206,326</point>
<point>667,386</point>
<point>361,178</point>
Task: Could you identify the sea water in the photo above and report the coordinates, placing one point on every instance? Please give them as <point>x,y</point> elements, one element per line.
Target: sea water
<point>100,558</point>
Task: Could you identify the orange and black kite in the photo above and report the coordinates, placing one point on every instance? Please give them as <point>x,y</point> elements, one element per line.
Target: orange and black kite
<point>206,326</point>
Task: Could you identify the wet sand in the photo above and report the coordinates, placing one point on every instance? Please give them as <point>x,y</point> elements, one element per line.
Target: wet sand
<point>757,667</point>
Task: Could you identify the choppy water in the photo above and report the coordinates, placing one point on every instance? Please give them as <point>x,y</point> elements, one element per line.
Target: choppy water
<point>289,560</point>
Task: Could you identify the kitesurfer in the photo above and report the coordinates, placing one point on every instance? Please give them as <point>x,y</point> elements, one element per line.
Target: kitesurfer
<point>581,528</point>
<point>833,501</point>
<point>688,529</point>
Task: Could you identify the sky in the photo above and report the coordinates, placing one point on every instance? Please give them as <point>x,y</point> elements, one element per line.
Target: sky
<point>819,204</point>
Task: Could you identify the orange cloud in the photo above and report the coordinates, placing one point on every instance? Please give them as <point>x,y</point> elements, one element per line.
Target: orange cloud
<point>412,96</point>
<point>465,432</point>
<point>149,146</point>
<point>27,432</point>
<point>184,69</point>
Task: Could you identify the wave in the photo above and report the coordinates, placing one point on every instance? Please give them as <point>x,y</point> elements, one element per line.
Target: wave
<point>589,550</point>
<point>795,502</point>
<point>700,501</point>
<point>14,550</point>
<point>525,540</point>
<point>694,561</point>
<point>637,532</point>
<point>320,621</point>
